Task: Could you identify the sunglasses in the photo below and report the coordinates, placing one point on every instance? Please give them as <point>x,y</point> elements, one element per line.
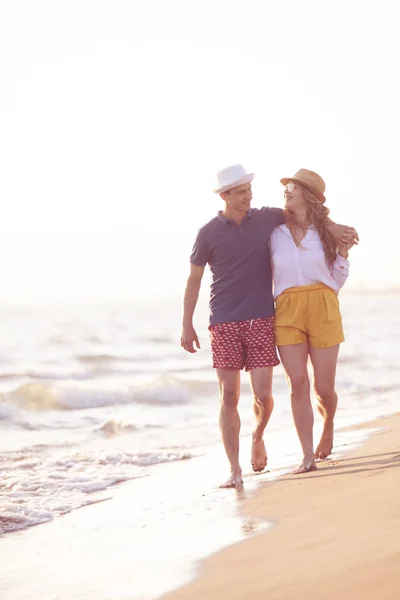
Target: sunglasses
<point>290,187</point>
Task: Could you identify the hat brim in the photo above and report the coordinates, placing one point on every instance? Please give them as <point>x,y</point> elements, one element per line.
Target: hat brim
<point>320,196</point>
<point>247,179</point>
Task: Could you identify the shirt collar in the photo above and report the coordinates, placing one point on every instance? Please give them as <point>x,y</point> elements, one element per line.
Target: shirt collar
<point>286,229</point>
<point>225,220</point>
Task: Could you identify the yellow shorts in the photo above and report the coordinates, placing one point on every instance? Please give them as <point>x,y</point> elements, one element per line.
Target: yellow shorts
<point>308,313</point>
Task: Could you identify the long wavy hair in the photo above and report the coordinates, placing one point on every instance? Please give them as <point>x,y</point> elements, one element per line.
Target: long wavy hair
<point>318,215</point>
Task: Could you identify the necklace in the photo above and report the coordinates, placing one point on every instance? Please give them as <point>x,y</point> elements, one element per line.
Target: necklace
<point>303,228</point>
<point>300,226</point>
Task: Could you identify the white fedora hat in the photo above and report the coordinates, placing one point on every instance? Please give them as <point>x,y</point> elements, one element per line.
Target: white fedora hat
<point>231,177</point>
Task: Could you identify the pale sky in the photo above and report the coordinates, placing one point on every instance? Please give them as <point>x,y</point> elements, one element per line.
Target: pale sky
<point>115,115</point>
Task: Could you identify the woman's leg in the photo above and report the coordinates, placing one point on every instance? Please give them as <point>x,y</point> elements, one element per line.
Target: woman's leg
<point>324,361</point>
<point>294,359</point>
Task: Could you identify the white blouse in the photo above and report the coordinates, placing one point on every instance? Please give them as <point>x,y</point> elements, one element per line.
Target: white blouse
<point>303,265</point>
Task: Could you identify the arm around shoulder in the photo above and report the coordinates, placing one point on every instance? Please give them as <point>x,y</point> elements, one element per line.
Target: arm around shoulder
<point>277,215</point>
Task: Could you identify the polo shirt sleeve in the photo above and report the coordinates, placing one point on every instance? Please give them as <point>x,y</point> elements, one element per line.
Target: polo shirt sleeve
<point>274,216</point>
<point>200,252</point>
<point>277,215</point>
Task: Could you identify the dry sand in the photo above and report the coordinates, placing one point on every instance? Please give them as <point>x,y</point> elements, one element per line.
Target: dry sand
<point>336,533</point>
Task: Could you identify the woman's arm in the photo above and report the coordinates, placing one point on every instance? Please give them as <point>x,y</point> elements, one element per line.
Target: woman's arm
<point>340,268</point>
<point>342,233</point>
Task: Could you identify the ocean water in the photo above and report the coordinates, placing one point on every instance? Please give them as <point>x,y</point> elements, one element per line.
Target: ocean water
<point>94,396</point>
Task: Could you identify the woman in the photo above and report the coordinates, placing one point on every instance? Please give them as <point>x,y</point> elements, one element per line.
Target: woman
<point>309,270</point>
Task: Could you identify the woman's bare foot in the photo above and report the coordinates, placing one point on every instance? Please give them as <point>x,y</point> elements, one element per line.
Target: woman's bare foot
<point>234,481</point>
<point>258,456</point>
<point>325,445</point>
<point>305,467</point>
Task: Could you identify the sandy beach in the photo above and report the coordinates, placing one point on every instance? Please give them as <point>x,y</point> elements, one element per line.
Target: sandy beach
<point>336,533</point>
<point>333,533</point>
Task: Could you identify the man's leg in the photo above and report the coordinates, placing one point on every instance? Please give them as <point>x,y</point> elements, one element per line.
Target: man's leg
<point>294,359</point>
<point>324,361</point>
<point>260,358</point>
<point>261,385</point>
<point>229,421</point>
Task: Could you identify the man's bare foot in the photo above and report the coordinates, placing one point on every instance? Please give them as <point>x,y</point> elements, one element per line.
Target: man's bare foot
<point>305,467</point>
<point>325,445</point>
<point>258,456</point>
<point>234,481</point>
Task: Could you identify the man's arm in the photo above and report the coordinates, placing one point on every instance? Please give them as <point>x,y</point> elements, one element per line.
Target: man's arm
<point>189,335</point>
<point>343,234</point>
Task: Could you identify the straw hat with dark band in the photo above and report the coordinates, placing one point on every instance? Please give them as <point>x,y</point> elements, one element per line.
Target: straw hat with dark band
<point>310,180</point>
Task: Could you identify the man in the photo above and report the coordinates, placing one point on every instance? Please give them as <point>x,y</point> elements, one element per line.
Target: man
<point>235,244</point>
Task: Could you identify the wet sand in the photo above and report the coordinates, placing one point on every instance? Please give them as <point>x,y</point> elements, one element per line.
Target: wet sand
<point>331,532</point>
<point>144,540</point>
<point>335,533</point>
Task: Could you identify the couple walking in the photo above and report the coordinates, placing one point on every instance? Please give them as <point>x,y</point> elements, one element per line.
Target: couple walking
<point>276,274</point>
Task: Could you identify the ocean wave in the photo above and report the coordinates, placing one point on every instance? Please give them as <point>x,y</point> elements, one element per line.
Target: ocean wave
<point>46,396</point>
<point>114,427</point>
<point>49,375</point>
<point>35,488</point>
<point>95,360</point>
<point>157,339</point>
<point>94,366</point>
<point>12,375</point>
<point>5,411</point>
<point>88,367</point>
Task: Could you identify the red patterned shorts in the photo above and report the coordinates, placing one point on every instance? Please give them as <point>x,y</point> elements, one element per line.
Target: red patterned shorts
<point>244,344</point>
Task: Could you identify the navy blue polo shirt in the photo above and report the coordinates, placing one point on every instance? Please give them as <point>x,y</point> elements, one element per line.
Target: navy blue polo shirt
<point>240,264</point>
